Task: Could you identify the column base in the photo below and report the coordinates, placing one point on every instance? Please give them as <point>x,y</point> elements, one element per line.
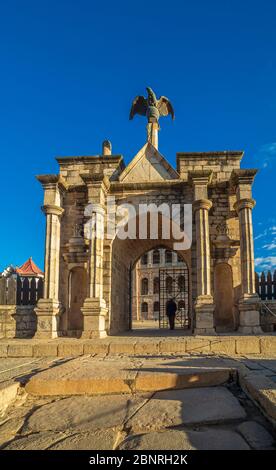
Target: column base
<point>94,313</point>
<point>48,313</point>
<point>249,308</point>
<point>204,316</point>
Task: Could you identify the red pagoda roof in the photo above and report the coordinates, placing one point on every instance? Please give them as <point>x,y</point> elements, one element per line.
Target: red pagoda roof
<point>29,268</point>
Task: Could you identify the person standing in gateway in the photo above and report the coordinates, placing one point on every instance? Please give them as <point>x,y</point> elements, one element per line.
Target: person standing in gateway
<point>170,312</point>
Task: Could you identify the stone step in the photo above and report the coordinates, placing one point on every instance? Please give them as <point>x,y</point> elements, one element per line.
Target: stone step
<point>86,376</point>
<point>230,345</point>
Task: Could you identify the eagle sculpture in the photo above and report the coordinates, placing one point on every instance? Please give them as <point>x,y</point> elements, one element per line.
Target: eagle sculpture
<point>151,107</point>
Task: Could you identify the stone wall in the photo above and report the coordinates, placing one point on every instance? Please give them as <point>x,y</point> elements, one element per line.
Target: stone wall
<point>17,321</point>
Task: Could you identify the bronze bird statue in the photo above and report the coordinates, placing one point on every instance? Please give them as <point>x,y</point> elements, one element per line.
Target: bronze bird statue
<point>151,107</point>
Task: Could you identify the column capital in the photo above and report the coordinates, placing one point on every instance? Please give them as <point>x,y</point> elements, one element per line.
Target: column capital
<point>96,179</point>
<point>246,203</point>
<point>52,182</point>
<point>243,176</point>
<point>202,204</point>
<point>96,207</point>
<point>200,177</point>
<point>52,209</point>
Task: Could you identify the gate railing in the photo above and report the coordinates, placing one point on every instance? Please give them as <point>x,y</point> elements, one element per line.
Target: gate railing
<point>174,283</point>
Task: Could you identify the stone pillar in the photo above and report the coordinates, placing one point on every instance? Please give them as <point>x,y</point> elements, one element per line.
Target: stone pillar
<point>204,303</point>
<point>94,309</point>
<point>49,308</point>
<point>152,133</point>
<point>249,303</point>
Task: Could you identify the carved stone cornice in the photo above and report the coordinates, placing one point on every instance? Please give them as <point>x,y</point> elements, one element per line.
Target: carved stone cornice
<point>200,177</point>
<point>246,203</point>
<point>243,176</point>
<point>96,179</point>
<point>52,182</point>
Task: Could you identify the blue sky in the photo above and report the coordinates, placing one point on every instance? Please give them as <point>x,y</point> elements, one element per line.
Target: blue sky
<point>69,70</point>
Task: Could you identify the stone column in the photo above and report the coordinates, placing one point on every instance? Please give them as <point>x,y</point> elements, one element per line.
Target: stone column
<point>249,303</point>
<point>204,303</point>
<point>49,309</point>
<point>152,133</point>
<point>94,309</point>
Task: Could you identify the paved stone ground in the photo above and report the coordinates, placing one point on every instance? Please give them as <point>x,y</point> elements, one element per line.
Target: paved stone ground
<point>218,417</point>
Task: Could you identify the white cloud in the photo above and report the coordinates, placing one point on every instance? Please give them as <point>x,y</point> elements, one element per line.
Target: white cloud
<point>266,263</point>
<point>270,246</point>
<point>260,235</point>
<point>266,155</point>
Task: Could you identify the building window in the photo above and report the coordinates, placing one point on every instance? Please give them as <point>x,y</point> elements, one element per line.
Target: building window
<point>156,285</point>
<point>168,257</point>
<point>144,259</point>
<point>156,257</point>
<point>181,305</point>
<point>156,307</point>
<point>169,283</point>
<point>144,286</point>
<point>144,310</point>
<point>181,283</point>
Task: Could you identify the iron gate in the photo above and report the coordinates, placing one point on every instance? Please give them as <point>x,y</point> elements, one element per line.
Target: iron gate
<point>174,284</point>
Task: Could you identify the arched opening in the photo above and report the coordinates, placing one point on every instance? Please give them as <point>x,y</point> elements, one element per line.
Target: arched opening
<point>224,298</point>
<point>77,295</point>
<point>123,283</point>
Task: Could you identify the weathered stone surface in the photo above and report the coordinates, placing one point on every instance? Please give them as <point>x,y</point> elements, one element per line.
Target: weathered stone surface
<point>179,439</point>
<point>20,350</point>
<point>180,379</point>
<point>39,441</point>
<point>95,348</point>
<point>9,429</point>
<point>196,345</point>
<point>84,376</point>
<point>3,350</point>
<point>172,346</point>
<point>8,393</point>
<point>104,440</point>
<point>248,345</point>
<point>223,346</point>
<point>45,349</point>
<point>268,345</point>
<point>191,406</point>
<point>122,348</point>
<point>262,390</point>
<point>70,349</point>
<point>256,435</point>
<point>84,413</point>
<point>146,347</point>
<point>126,375</point>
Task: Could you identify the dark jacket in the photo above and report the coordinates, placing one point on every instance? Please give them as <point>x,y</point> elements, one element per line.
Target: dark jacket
<point>171,308</point>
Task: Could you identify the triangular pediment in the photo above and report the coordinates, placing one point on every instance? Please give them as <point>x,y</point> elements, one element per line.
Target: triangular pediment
<point>148,165</point>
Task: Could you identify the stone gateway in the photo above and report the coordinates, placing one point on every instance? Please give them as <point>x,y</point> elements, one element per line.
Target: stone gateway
<point>87,278</point>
